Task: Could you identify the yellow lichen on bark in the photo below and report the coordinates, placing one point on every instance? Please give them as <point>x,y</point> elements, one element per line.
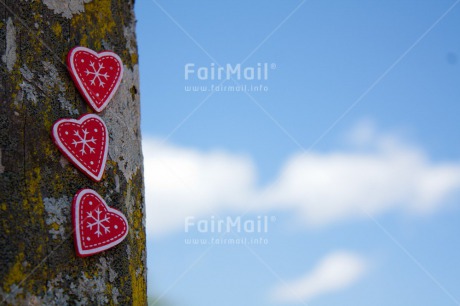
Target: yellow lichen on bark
<point>57,29</point>
<point>139,286</point>
<point>96,12</point>
<point>16,273</point>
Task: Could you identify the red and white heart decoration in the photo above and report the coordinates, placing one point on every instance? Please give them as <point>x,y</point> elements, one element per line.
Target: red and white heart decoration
<point>96,75</point>
<point>97,227</point>
<point>84,142</point>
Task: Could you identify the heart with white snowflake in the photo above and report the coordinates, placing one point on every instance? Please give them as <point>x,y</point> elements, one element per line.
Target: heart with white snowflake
<point>84,142</point>
<point>96,75</point>
<point>97,227</point>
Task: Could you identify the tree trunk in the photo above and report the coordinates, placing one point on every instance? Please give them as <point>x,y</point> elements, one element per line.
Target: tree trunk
<point>39,265</point>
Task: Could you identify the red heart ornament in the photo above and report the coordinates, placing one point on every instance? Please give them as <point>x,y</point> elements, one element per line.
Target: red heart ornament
<point>96,75</point>
<point>84,142</point>
<point>97,227</point>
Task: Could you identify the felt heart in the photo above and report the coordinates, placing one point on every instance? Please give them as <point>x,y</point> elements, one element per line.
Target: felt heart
<point>96,75</point>
<point>97,227</point>
<point>84,142</point>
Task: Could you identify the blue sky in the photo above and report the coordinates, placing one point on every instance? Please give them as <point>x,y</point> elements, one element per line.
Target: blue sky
<point>351,152</point>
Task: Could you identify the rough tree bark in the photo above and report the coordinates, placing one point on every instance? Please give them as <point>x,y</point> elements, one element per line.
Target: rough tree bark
<point>38,263</point>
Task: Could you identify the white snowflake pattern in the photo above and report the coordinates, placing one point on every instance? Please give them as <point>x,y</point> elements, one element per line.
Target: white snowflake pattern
<point>97,74</point>
<point>84,141</point>
<point>98,222</point>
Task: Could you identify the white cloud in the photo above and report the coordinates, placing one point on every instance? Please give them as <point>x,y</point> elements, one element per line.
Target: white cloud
<point>378,173</point>
<point>335,272</point>
<point>185,182</point>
